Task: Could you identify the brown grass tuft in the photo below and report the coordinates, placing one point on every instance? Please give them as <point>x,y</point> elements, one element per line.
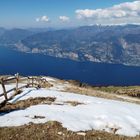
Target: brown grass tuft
<point>26,103</point>
<point>53,130</point>
<point>73,103</point>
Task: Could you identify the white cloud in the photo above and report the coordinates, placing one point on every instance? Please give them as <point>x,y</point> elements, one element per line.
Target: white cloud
<point>125,12</point>
<point>43,19</point>
<point>64,18</point>
<point>37,19</point>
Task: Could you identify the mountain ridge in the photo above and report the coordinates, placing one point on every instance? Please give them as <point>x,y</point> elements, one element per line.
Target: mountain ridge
<point>107,44</point>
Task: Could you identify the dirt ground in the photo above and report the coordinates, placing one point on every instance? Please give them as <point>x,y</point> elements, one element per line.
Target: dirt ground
<point>8,107</point>
<point>54,131</point>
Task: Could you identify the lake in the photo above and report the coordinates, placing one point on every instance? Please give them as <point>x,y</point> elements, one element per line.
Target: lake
<point>97,74</point>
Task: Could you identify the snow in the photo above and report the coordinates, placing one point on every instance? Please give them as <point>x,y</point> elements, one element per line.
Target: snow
<point>94,113</point>
<point>8,87</point>
<point>49,79</point>
<point>58,86</point>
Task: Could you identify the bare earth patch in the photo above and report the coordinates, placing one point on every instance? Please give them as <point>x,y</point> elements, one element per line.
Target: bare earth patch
<point>53,130</point>
<point>73,103</point>
<point>26,103</point>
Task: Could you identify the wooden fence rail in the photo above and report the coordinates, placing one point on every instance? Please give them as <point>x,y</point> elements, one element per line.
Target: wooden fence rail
<point>33,81</point>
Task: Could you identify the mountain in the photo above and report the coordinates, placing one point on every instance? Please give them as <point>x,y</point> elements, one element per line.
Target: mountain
<point>2,30</point>
<point>14,35</point>
<point>39,30</point>
<point>107,44</point>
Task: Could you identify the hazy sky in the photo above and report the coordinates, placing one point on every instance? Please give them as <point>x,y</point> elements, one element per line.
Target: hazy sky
<point>67,13</point>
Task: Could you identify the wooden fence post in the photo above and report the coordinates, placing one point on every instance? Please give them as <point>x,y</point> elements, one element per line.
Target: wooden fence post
<point>28,81</point>
<point>17,80</point>
<point>4,89</point>
<point>32,81</point>
<point>38,82</point>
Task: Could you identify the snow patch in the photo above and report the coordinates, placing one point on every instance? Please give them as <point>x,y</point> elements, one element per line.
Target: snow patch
<point>96,113</point>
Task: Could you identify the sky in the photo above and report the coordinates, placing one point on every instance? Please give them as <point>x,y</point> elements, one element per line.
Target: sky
<point>67,13</point>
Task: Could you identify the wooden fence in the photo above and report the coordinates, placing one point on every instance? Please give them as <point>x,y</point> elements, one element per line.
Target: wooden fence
<point>33,81</point>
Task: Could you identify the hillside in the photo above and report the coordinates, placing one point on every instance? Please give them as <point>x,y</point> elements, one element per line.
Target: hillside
<point>108,44</point>
<point>13,36</point>
<point>105,44</point>
<point>69,110</point>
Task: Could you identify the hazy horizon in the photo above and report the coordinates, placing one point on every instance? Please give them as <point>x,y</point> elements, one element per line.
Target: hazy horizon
<point>67,14</point>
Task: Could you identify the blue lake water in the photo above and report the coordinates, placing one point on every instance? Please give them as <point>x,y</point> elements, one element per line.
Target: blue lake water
<point>12,62</point>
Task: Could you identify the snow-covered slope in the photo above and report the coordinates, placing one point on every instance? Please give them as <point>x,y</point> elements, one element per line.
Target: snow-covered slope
<point>8,87</point>
<point>92,113</point>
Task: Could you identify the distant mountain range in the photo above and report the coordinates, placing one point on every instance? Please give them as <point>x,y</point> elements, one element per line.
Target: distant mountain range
<point>108,44</point>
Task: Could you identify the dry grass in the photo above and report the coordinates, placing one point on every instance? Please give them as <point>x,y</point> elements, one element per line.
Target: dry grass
<point>90,92</point>
<point>73,103</point>
<point>103,92</point>
<point>53,130</point>
<point>133,91</point>
<point>26,103</point>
